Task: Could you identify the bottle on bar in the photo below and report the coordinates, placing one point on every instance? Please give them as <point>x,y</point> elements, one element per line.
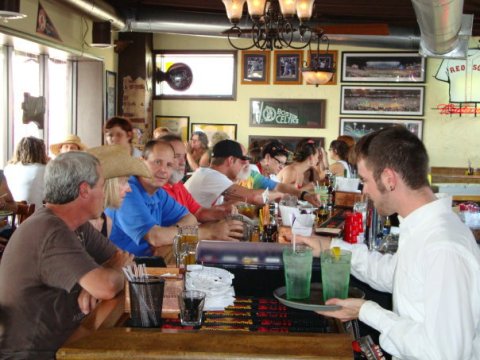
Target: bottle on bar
<point>270,230</point>
<point>331,192</point>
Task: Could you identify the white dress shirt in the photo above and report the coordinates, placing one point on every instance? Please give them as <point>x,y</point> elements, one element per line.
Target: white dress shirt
<point>435,280</point>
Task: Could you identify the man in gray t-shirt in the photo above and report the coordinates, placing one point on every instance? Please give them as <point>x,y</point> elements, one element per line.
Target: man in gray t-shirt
<point>56,265</point>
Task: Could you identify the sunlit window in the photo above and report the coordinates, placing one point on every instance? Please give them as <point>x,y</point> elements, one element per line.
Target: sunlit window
<point>26,80</point>
<point>195,74</point>
<point>58,100</point>
<point>3,105</point>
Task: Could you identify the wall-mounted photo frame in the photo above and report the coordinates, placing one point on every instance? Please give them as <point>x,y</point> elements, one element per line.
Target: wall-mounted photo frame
<point>110,95</point>
<point>382,100</point>
<point>326,59</point>
<point>290,142</point>
<point>176,124</point>
<point>255,67</point>
<point>391,67</point>
<point>210,129</point>
<point>287,67</point>
<point>294,113</point>
<point>358,127</point>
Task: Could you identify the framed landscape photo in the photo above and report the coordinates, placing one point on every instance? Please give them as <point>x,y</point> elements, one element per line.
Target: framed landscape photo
<point>326,60</point>
<point>287,67</point>
<point>210,129</point>
<point>358,127</point>
<point>176,124</point>
<point>255,67</point>
<point>382,100</point>
<point>294,113</point>
<point>396,67</point>
<point>290,142</point>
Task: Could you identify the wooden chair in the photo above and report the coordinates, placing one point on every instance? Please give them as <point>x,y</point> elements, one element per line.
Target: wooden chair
<point>24,210</point>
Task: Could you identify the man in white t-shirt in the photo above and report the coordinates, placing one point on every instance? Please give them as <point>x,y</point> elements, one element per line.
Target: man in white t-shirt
<point>215,184</point>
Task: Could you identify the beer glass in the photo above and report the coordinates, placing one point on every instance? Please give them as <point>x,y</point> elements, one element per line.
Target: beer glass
<point>185,245</point>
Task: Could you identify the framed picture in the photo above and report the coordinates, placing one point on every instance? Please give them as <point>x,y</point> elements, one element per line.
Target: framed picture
<point>397,67</point>
<point>288,67</point>
<point>255,67</point>
<point>325,59</point>
<point>290,142</point>
<point>358,127</point>
<point>111,94</point>
<point>210,129</point>
<point>382,100</point>
<point>294,113</point>
<point>177,124</point>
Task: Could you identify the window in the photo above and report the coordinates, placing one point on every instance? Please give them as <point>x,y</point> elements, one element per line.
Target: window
<point>213,74</point>
<point>26,80</point>
<point>59,100</point>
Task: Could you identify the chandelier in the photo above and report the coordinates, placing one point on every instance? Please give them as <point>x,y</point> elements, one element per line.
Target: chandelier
<point>321,68</point>
<point>274,25</point>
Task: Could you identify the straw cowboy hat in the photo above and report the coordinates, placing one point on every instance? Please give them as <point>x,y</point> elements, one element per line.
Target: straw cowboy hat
<point>116,161</point>
<point>69,139</point>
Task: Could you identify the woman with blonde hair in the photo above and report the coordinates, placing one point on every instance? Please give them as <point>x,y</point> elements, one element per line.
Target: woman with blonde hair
<point>24,172</point>
<point>117,165</point>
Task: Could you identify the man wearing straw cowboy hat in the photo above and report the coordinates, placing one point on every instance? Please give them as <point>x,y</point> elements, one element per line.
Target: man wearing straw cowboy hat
<point>69,143</point>
<point>56,265</point>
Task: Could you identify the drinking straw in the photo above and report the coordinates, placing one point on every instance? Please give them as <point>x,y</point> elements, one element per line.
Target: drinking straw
<point>294,240</point>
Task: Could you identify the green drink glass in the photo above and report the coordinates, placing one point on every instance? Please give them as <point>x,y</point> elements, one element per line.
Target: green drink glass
<point>335,265</point>
<point>298,271</point>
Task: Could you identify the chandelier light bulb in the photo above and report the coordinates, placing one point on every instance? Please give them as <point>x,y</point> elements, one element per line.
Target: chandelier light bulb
<point>287,7</point>
<point>234,10</point>
<point>304,9</point>
<point>256,8</point>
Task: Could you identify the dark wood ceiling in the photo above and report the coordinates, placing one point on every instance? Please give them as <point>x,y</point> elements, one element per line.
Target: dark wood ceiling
<point>392,13</point>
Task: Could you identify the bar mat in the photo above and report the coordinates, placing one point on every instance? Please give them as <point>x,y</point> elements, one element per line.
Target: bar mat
<point>335,221</point>
<point>251,314</point>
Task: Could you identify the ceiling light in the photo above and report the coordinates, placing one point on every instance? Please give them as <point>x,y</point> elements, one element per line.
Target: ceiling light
<point>321,68</point>
<point>10,10</point>
<point>274,24</point>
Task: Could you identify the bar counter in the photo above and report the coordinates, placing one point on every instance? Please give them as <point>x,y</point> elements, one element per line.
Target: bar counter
<point>102,336</point>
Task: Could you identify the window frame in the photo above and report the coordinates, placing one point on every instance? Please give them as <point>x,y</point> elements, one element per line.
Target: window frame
<point>155,76</point>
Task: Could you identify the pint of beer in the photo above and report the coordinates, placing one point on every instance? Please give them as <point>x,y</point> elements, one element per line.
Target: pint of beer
<point>185,245</point>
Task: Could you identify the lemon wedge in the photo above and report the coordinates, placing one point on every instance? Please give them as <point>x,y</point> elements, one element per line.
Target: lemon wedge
<point>336,251</point>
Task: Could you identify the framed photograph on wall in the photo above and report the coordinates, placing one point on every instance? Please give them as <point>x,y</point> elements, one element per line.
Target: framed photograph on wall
<point>176,124</point>
<point>325,59</point>
<point>382,100</point>
<point>358,127</point>
<point>111,94</point>
<point>290,142</point>
<point>210,129</point>
<point>287,67</point>
<point>397,67</point>
<point>255,67</point>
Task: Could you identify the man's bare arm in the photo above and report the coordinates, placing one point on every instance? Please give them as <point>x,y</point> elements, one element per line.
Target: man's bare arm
<point>106,281</point>
<point>160,235</point>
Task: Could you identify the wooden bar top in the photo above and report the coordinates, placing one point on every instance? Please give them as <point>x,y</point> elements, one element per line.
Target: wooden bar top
<point>133,343</point>
<point>102,336</point>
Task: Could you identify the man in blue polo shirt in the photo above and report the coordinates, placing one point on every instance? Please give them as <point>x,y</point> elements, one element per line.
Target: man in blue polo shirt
<point>148,216</point>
